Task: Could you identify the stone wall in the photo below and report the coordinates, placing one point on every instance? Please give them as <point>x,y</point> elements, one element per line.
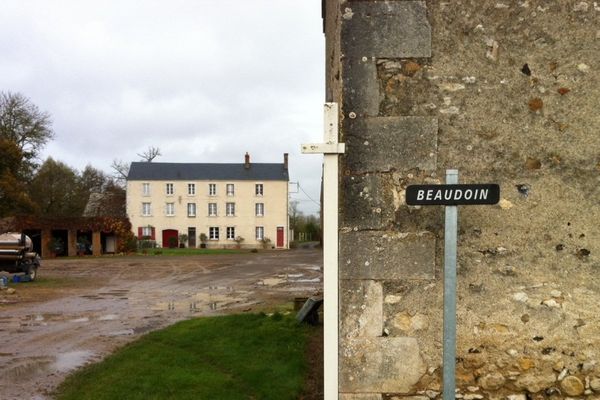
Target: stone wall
<point>506,92</point>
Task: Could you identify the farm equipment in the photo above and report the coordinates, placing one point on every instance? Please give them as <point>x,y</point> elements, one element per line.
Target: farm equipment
<point>17,255</point>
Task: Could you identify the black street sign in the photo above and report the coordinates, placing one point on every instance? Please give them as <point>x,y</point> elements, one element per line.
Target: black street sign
<point>450,195</point>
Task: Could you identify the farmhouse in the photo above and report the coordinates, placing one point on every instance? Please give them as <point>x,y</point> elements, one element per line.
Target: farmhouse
<point>212,204</point>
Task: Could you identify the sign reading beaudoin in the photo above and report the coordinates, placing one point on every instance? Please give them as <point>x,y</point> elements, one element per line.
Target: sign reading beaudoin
<point>431,195</point>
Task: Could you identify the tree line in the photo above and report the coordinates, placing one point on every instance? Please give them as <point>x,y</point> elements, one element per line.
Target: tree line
<point>305,227</point>
<point>49,188</point>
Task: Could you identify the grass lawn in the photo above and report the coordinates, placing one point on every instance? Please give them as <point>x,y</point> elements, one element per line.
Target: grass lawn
<point>247,356</point>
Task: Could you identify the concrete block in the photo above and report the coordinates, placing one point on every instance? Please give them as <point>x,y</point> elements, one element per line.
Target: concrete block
<point>385,29</point>
<point>384,255</point>
<point>386,143</point>
<point>361,309</point>
<point>361,87</point>
<point>367,201</point>
<point>380,365</point>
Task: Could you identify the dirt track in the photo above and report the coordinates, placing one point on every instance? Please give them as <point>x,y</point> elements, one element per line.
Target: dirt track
<point>82,309</point>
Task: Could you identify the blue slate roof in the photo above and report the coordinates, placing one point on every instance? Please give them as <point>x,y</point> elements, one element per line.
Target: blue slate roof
<point>157,171</point>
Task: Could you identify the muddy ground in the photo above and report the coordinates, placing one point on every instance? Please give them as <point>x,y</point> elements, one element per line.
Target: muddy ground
<point>82,309</point>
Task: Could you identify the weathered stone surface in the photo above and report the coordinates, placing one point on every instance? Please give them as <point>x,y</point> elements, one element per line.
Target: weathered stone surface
<point>410,324</point>
<point>386,143</point>
<point>361,309</point>
<point>368,201</point>
<point>380,365</point>
<point>489,133</point>
<point>365,396</point>
<point>409,398</point>
<point>396,29</point>
<point>361,94</point>
<point>386,255</point>
<point>572,386</point>
<point>492,381</point>
<point>534,383</point>
<point>405,88</point>
<point>595,385</point>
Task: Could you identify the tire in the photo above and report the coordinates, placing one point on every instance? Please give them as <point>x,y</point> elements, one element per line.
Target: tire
<point>31,271</point>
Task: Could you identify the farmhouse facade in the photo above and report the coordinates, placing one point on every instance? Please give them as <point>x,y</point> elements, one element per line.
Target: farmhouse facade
<point>212,204</point>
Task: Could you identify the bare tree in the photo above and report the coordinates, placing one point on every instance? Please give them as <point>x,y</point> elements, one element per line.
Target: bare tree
<point>120,170</point>
<point>150,154</point>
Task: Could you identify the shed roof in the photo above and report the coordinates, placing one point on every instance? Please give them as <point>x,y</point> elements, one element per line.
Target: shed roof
<point>156,171</point>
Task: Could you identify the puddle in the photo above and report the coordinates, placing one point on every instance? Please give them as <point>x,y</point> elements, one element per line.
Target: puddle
<point>80,320</point>
<point>109,317</point>
<point>313,280</point>
<point>295,275</point>
<point>312,267</point>
<point>73,359</point>
<point>272,281</point>
<point>26,368</point>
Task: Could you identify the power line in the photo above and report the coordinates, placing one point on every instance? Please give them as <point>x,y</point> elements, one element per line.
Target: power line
<point>310,198</point>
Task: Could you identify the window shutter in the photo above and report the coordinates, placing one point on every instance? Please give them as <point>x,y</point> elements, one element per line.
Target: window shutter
<point>153,237</point>
<point>140,232</point>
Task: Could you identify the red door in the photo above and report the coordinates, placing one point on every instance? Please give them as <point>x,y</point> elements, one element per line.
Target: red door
<point>167,236</point>
<point>280,236</point>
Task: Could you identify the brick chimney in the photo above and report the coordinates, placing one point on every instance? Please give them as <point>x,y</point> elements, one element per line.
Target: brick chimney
<point>247,161</point>
<point>285,161</point>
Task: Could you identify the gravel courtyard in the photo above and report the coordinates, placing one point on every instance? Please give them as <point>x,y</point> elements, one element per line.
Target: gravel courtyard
<point>80,310</point>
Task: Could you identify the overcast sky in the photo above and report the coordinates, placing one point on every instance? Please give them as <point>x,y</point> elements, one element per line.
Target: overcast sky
<point>205,81</point>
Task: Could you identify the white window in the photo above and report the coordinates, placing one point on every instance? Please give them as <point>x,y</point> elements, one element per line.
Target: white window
<point>231,233</point>
<point>260,232</point>
<point>147,231</point>
<point>258,189</point>
<point>230,209</point>
<point>170,189</point>
<point>230,189</point>
<point>213,233</point>
<point>191,189</point>
<point>260,209</point>
<point>145,189</point>
<point>170,209</point>
<point>146,209</point>
<point>191,207</point>
<point>212,189</point>
<point>212,209</point>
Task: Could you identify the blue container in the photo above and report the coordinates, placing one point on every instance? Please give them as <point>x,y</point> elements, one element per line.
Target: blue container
<point>3,281</point>
<point>16,279</point>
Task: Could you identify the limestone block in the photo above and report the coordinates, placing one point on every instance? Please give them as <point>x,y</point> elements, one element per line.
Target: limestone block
<point>361,88</point>
<point>367,201</point>
<point>384,365</point>
<point>386,143</point>
<point>383,255</point>
<point>396,29</point>
<point>361,309</point>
